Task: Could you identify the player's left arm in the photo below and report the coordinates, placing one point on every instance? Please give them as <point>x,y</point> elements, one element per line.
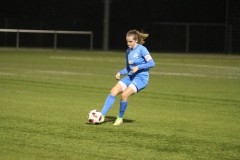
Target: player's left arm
<point>149,61</point>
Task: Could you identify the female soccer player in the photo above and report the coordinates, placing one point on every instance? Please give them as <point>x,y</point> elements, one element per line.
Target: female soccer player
<point>138,62</point>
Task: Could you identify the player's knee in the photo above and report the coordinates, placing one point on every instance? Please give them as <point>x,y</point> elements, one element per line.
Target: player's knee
<point>124,96</point>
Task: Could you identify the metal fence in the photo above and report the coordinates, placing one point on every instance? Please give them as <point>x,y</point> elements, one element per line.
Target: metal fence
<point>55,33</point>
<point>190,37</point>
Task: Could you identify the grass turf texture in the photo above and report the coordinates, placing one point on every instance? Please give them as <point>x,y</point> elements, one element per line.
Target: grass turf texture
<point>190,109</point>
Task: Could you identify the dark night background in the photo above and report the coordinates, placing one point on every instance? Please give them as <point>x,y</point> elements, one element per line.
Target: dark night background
<point>144,15</point>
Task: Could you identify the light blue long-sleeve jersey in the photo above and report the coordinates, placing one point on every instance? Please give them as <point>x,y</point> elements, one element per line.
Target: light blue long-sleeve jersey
<point>139,56</point>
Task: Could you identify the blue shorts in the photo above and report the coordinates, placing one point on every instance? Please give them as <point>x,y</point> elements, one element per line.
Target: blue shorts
<point>139,81</point>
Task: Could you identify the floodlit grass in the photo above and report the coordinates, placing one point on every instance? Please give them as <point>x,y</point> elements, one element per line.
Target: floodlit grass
<point>190,109</point>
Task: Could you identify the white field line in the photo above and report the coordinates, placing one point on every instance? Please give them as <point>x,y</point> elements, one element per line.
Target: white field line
<point>199,65</point>
<point>159,63</point>
<point>35,73</point>
<point>30,71</point>
<point>192,75</point>
<point>28,75</point>
<point>64,73</point>
<point>177,74</point>
<point>7,74</point>
<point>87,59</point>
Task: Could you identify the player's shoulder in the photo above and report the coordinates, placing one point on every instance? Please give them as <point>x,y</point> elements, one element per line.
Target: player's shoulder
<point>143,49</point>
<point>140,46</point>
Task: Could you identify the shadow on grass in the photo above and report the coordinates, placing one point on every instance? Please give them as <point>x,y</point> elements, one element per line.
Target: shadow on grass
<point>111,119</point>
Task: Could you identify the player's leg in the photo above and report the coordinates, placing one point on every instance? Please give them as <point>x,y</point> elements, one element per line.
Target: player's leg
<point>111,98</point>
<point>118,88</point>
<point>138,83</point>
<point>131,89</point>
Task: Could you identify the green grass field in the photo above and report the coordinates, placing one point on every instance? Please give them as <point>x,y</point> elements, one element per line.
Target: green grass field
<point>190,109</point>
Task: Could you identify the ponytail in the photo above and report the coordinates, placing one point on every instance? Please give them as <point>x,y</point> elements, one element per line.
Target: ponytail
<point>138,36</point>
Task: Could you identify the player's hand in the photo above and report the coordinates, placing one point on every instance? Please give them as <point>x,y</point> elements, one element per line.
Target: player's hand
<point>117,76</point>
<point>135,69</point>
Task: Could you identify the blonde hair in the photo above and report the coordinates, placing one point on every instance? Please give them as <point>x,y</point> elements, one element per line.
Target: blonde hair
<point>137,36</point>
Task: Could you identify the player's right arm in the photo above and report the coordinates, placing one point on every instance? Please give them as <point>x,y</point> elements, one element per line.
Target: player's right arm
<point>117,76</point>
<point>122,72</point>
<point>125,70</point>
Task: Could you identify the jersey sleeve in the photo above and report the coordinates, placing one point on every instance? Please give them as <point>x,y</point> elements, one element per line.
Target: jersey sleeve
<point>148,59</point>
<point>123,71</point>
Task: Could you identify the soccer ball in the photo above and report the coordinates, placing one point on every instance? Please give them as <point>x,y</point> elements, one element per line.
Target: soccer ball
<point>94,116</point>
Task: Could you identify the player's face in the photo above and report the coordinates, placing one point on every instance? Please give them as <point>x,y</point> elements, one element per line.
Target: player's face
<point>131,42</point>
